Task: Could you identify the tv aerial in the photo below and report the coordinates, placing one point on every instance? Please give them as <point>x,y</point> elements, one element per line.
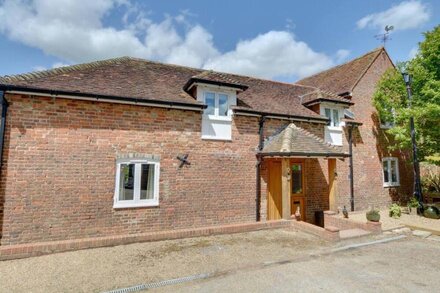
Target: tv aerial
<point>386,35</point>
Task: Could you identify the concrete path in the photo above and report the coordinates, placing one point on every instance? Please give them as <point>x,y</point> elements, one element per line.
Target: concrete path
<point>409,265</point>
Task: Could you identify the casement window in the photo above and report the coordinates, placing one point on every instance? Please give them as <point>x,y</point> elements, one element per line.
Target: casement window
<point>390,172</point>
<point>217,105</point>
<point>333,115</point>
<point>217,117</point>
<point>137,183</point>
<point>333,131</point>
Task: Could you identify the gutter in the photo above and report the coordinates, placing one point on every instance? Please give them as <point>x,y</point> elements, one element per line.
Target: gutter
<point>304,155</point>
<point>4,105</point>
<point>100,98</point>
<point>254,113</point>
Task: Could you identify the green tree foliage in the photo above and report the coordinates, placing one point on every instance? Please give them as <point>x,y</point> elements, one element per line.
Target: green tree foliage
<point>391,99</point>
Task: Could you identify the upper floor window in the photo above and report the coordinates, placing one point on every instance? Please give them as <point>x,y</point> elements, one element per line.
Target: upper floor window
<point>390,172</point>
<point>333,115</point>
<point>137,183</point>
<point>217,104</point>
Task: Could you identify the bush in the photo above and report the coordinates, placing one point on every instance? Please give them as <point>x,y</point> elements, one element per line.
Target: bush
<point>430,178</point>
<point>413,203</point>
<point>395,211</point>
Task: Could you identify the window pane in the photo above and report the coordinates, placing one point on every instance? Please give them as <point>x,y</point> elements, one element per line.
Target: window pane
<point>210,102</point>
<point>222,105</point>
<point>126,182</point>
<point>393,171</point>
<point>147,181</point>
<point>335,117</point>
<point>385,172</point>
<point>328,113</point>
<point>297,179</point>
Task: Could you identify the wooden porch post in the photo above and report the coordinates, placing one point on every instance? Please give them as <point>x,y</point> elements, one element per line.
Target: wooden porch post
<point>332,184</point>
<point>285,188</point>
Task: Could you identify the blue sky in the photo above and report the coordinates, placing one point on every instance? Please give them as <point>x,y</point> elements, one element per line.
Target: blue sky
<point>282,40</point>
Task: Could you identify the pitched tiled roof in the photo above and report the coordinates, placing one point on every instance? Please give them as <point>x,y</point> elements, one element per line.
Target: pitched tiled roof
<point>142,79</point>
<point>344,77</point>
<point>295,141</point>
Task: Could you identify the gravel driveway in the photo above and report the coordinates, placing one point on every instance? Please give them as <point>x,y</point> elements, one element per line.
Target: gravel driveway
<point>96,270</point>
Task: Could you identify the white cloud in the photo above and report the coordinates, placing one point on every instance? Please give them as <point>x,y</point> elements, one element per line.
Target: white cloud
<point>76,31</point>
<point>341,55</point>
<point>414,51</point>
<point>405,15</point>
<point>275,53</point>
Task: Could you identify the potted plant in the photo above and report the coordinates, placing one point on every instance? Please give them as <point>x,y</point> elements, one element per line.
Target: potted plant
<point>395,211</point>
<point>413,205</point>
<point>373,215</point>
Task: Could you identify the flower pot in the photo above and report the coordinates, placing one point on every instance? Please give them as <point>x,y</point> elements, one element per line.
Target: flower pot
<point>432,212</point>
<point>373,217</point>
<point>413,211</point>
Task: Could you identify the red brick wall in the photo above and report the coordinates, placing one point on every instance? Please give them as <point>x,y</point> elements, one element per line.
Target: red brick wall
<point>58,170</point>
<point>58,177</point>
<point>370,146</point>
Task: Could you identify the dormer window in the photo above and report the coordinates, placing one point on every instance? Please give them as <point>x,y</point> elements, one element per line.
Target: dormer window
<point>217,117</point>
<point>217,104</point>
<point>333,115</point>
<point>219,94</point>
<point>333,131</point>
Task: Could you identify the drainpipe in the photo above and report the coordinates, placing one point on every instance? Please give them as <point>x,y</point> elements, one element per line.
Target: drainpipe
<point>350,151</point>
<point>257,166</point>
<point>4,105</point>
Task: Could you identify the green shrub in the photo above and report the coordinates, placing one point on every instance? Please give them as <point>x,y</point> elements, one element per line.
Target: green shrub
<point>413,203</point>
<point>430,178</point>
<point>395,211</point>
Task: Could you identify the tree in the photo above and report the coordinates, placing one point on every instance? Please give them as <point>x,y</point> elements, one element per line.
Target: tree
<point>391,100</point>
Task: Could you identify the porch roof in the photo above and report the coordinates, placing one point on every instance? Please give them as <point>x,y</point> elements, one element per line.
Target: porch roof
<point>294,141</point>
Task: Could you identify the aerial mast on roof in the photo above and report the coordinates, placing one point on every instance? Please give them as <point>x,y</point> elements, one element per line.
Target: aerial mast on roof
<point>385,36</point>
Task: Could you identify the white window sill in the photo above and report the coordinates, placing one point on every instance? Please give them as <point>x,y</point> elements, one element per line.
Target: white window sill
<point>218,118</point>
<point>126,205</point>
<point>206,137</point>
<point>334,128</point>
<point>389,185</point>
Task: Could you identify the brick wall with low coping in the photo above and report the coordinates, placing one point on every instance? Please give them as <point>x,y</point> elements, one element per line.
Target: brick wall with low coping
<point>36,249</point>
<point>333,220</point>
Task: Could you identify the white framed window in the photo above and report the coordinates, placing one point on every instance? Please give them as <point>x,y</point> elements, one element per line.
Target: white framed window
<point>217,105</point>
<point>333,115</point>
<point>390,172</point>
<point>333,131</point>
<point>137,183</point>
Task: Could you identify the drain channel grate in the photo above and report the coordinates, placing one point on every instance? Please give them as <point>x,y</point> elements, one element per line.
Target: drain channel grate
<point>159,284</point>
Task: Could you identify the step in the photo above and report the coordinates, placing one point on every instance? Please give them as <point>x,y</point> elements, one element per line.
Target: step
<point>352,233</point>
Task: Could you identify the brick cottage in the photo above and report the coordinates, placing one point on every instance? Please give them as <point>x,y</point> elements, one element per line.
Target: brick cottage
<point>127,146</point>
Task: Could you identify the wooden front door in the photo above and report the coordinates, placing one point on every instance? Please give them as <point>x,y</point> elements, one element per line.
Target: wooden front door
<point>274,201</point>
<point>297,188</point>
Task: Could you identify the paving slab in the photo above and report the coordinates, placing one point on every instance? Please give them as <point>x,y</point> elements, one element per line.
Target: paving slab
<point>421,233</point>
<point>351,233</point>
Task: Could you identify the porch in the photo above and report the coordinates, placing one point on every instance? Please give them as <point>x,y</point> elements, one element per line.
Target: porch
<point>299,170</point>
